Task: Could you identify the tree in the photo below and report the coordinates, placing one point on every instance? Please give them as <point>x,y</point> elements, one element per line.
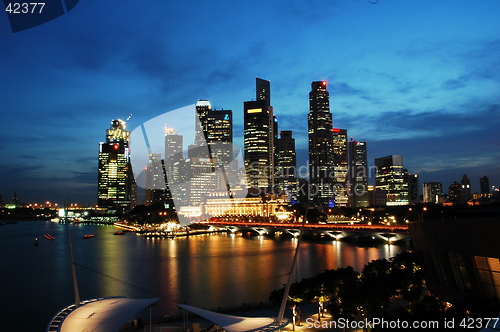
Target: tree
<point>378,286</point>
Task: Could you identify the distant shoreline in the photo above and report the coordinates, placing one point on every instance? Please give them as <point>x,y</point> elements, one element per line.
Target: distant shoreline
<point>13,220</point>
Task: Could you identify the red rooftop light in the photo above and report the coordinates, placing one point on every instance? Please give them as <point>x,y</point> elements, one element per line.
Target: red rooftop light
<point>324,83</point>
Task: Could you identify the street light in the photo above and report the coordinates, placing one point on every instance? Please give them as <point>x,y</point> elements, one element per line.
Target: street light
<point>420,214</point>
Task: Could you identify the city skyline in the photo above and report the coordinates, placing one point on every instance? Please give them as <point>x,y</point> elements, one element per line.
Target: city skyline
<point>419,80</point>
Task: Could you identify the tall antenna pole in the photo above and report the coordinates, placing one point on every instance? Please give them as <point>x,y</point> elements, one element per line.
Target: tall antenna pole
<point>281,313</point>
<point>71,259</point>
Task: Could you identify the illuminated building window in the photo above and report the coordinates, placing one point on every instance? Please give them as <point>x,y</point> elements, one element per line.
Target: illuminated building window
<point>489,275</point>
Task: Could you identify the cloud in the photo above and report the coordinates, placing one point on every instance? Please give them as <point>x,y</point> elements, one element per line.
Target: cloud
<point>429,92</point>
<point>342,88</point>
<point>481,59</point>
<point>309,10</point>
<point>83,177</point>
<point>453,84</point>
<point>411,123</point>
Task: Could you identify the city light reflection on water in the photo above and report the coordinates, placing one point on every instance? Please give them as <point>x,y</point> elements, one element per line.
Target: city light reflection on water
<point>209,271</point>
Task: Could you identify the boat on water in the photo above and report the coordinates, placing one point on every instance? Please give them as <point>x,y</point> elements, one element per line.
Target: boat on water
<point>49,237</point>
<point>88,236</point>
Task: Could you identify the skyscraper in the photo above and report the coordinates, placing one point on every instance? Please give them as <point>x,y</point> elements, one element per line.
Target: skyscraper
<point>432,191</point>
<point>263,90</point>
<point>455,192</point>
<point>484,183</point>
<point>203,107</point>
<point>413,187</point>
<point>216,133</point>
<point>219,135</point>
<point>259,138</point>
<point>392,177</point>
<point>116,185</point>
<point>275,143</point>
<point>156,191</point>
<point>320,145</point>
<point>340,167</point>
<point>358,174</point>
<point>175,168</point>
<point>286,165</point>
<point>203,179</point>
<point>466,190</point>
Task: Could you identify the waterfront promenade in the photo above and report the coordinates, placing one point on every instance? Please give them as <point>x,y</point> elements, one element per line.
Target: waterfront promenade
<point>309,320</point>
<point>309,312</point>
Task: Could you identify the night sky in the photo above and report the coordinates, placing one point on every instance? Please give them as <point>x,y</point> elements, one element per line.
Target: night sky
<point>416,78</point>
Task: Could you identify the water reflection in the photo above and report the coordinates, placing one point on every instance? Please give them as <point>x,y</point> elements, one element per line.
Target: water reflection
<point>208,271</point>
<point>390,250</point>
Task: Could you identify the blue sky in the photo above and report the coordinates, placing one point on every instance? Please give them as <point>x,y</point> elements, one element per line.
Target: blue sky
<point>416,78</point>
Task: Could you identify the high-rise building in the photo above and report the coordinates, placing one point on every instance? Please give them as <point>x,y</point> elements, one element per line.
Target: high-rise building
<point>202,179</point>
<point>376,197</point>
<point>175,168</point>
<point>219,129</point>
<point>320,145</point>
<point>358,174</point>
<point>263,90</point>
<point>259,138</point>
<point>392,177</point>
<point>116,184</point>
<point>275,143</point>
<point>466,189</point>
<point>203,108</point>
<point>216,133</point>
<point>286,165</point>
<point>156,190</point>
<point>432,191</point>
<point>173,154</point>
<point>340,167</point>
<point>455,192</point>
<point>484,183</point>
<point>413,187</point>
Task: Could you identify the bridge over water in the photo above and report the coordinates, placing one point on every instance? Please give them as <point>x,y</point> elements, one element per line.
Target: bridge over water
<point>389,233</point>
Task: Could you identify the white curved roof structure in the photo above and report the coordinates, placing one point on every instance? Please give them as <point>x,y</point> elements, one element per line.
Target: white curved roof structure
<point>237,323</point>
<point>97,315</point>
